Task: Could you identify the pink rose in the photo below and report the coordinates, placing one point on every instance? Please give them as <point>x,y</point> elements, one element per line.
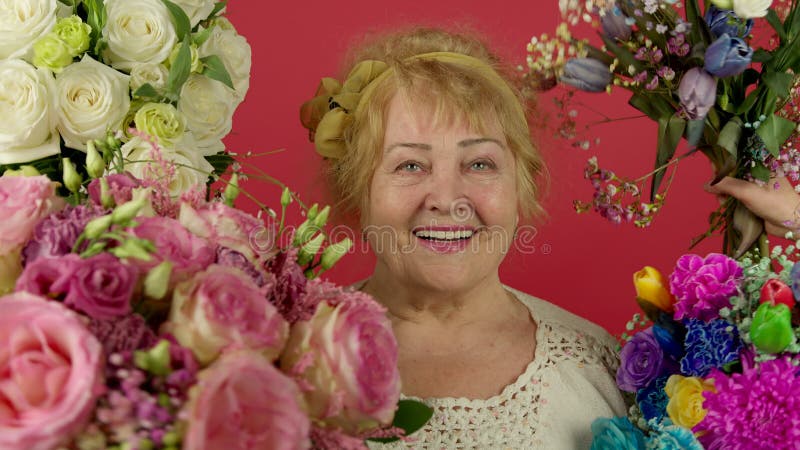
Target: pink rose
<point>188,253</point>
<point>222,308</point>
<point>100,287</point>
<point>23,202</point>
<point>50,373</point>
<point>48,277</point>
<point>347,355</point>
<point>243,402</point>
<point>231,228</point>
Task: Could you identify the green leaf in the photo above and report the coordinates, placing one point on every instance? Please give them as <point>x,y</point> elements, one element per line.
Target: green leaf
<point>220,162</point>
<point>670,131</point>
<point>183,26</point>
<point>729,136</point>
<point>761,56</point>
<point>179,72</point>
<point>411,415</point>
<point>694,131</point>
<point>215,69</point>
<point>95,18</point>
<point>779,82</point>
<point>201,36</point>
<point>699,30</point>
<point>219,6</point>
<point>777,25</point>
<point>760,172</point>
<point>749,101</point>
<point>146,91</point>
<point>774,132</point>
<point>654,107</point>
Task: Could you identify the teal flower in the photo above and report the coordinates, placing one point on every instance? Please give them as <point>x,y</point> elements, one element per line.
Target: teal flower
<point>617,433</point>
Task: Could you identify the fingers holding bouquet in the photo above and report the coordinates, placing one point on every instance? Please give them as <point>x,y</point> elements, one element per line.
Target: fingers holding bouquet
<point>776,202</point>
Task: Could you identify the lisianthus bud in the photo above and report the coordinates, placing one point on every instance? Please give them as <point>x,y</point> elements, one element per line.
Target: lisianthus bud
<point>24,171</point>
<point>161,121</point>
<point>727,56</point>
<point>156,360</point>
<point>332,254</point>
<point>72,179</point>
<point>322,218</point>
<point>131,248</point>
<point>651,288</point>
<point>771,329</point>
<point>776,291</point>
<point>307,251</point>
<point>586,74</point>
<point>232,190</point>
<point>74,33</point>
<point>95,165</point>
<point>312,212</point>
<point>156,283</point>
<point>97,226</point>
<point>725,21</point>
<point>615,26</point>
<point>698,93</point>
<point>304,232</point>
<point>286,197</point>
<point>125,212</point>
<point>52,53</point>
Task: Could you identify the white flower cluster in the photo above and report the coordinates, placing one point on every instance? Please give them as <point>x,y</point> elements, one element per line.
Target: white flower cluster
<point>62,82</point>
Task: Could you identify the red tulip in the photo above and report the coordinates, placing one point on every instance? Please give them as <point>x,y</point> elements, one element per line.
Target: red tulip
<point>776,291</point>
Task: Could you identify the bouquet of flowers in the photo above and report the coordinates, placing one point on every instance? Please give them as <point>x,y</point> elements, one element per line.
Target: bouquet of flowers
<point>719,365</point>
<point>701,77</point>
<point>74,72</point>
<point>134,319</point>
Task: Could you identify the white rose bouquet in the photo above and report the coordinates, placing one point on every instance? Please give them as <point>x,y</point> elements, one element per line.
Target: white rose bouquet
<point>85,82</point>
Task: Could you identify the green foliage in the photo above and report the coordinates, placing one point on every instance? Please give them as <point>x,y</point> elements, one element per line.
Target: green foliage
<point>411,415</point>
<point>215,69</point>
<point>180,70</point>
<point>183,26</point>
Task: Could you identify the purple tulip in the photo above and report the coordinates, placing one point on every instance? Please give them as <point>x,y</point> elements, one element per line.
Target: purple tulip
<point>614,25</point>
<point>725,21</point>
<point>586,74</point>
<point>728,56</point>
<point>698,93</point>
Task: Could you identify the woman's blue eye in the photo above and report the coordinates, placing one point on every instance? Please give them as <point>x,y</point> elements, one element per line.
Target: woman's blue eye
<point>482,165</point>
<point>409,167</point>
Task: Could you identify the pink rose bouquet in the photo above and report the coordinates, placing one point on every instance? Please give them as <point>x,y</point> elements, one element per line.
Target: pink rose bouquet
<point>23,202</point>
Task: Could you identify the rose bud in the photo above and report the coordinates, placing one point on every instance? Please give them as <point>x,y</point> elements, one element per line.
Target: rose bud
<point>728,56</point>
<point>586,74</point>
<point>697,92</point>
<point>776,291</point>
<point>651,290</point>
<point>771,329</point>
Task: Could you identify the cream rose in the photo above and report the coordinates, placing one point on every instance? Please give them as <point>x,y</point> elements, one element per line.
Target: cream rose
<point>27,121</point>
<point>197,10</point>
<point>92,99</point>
<point>138,32</point>
<point>235,53</point>
<point>191,171</point>
<point>153,74</point>
<point>208,107</point>
<point>23,22</point>
<point>749,9</point>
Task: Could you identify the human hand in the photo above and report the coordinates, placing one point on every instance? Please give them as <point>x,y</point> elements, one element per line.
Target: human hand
<point>778,207</point>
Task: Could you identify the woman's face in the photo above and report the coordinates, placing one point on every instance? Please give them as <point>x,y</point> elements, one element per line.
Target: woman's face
<point>443,203</point>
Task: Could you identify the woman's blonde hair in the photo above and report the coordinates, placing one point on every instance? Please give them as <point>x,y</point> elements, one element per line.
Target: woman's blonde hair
<point>452,91</point>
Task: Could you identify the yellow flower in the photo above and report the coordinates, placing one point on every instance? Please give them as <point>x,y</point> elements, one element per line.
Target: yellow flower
<point>685,406</point>
<point>10,270</point>
<point>651,287</point>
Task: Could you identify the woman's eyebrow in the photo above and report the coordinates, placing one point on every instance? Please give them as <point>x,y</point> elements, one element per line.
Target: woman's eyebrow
<point>463,144</point>
<point>476,141</point>
<point>415,145</point>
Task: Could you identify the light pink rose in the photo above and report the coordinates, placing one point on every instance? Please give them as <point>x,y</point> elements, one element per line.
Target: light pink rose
<point>50,373</point>
<point>346,355</point>
<point>187,253</point>
<point>243,402</point>
<point>231,228</point>
<point>221,309</point>
<point>23,202</point>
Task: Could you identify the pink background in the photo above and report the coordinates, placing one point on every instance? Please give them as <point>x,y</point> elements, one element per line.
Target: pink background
<point>580,262</point>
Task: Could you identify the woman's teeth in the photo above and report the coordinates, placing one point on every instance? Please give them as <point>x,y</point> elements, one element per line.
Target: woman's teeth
<point>444,235</point>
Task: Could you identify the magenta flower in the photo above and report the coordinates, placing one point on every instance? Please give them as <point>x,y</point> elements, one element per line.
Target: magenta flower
<point>289,289</point>
<point>48,277</point>
<point>100,287</point>
<point>58,232</point>
<point>704,286</point>
<point>123,334</point>
<point>120,188</point>
<point>759,408</point>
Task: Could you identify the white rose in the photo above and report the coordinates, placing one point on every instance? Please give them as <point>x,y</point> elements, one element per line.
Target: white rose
<point>23,22</point>
<point>749,9</point>
<point>234,51</point>
<point>191,170</point>
<point>27,120</point>
<point>154,74</point>
<point>197,10</point>
<point>138,32</point>
<point>208,107</point>
<point>92,100</point>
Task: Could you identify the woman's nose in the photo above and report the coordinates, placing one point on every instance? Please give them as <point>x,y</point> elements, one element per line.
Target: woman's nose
<point>447,194</point>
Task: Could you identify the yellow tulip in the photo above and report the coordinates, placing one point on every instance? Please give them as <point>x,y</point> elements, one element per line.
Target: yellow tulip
<point>651,288</point>
<point>685,407</point>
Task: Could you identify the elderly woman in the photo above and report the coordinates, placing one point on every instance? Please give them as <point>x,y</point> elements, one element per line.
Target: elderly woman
<point>428,144</point>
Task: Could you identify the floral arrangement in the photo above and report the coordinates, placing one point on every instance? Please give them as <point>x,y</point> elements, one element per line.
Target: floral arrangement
<point>134,319</point>
<point>76,72</point>
<point>701,77</point>
<point>716,362</point>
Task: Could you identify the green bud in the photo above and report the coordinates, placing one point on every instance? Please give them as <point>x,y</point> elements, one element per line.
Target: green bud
<point>74,33</point>
<point>97,226</point>
<point>51,53</point>
<point>156,283</point>
<point>23,171</point>
<point>95,166</point>
<point>131,249</point>
<point>171,439</point>
<point>156,360</point>
<point>164,401</point>
<point>286,197</point>
<point>232,190</point>
<point>304,232</point>
<point>322,218</point>
<point>161,121</point>
<point>146,444</point>
<point>310,249</point>
<point>94,249</point>
<point>771,328</point>
<point>128,210</point>
<point>332,254</point>
<point>312,212</point>
<point>106,199</point>
<point>72,179</point>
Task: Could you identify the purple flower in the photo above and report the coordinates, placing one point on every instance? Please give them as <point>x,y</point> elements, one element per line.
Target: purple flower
<point>122,334</point>
<point>100,287</point>
<point>677,45</point>
<point>725,21</point>
<point>704,286</point>
<point>709,346</point>
<point>758,408</point>
<point>728,56</point>
<point>698,93</point>
<point>641,361</point>
<point>289,289</point>
<point>120,188</point>
<point>615,25</point>
<point>586,74</point>
<point>56,234</point>
<point>231,258</point>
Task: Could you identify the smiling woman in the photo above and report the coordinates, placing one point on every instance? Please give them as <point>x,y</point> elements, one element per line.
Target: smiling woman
<point>428,146</point>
